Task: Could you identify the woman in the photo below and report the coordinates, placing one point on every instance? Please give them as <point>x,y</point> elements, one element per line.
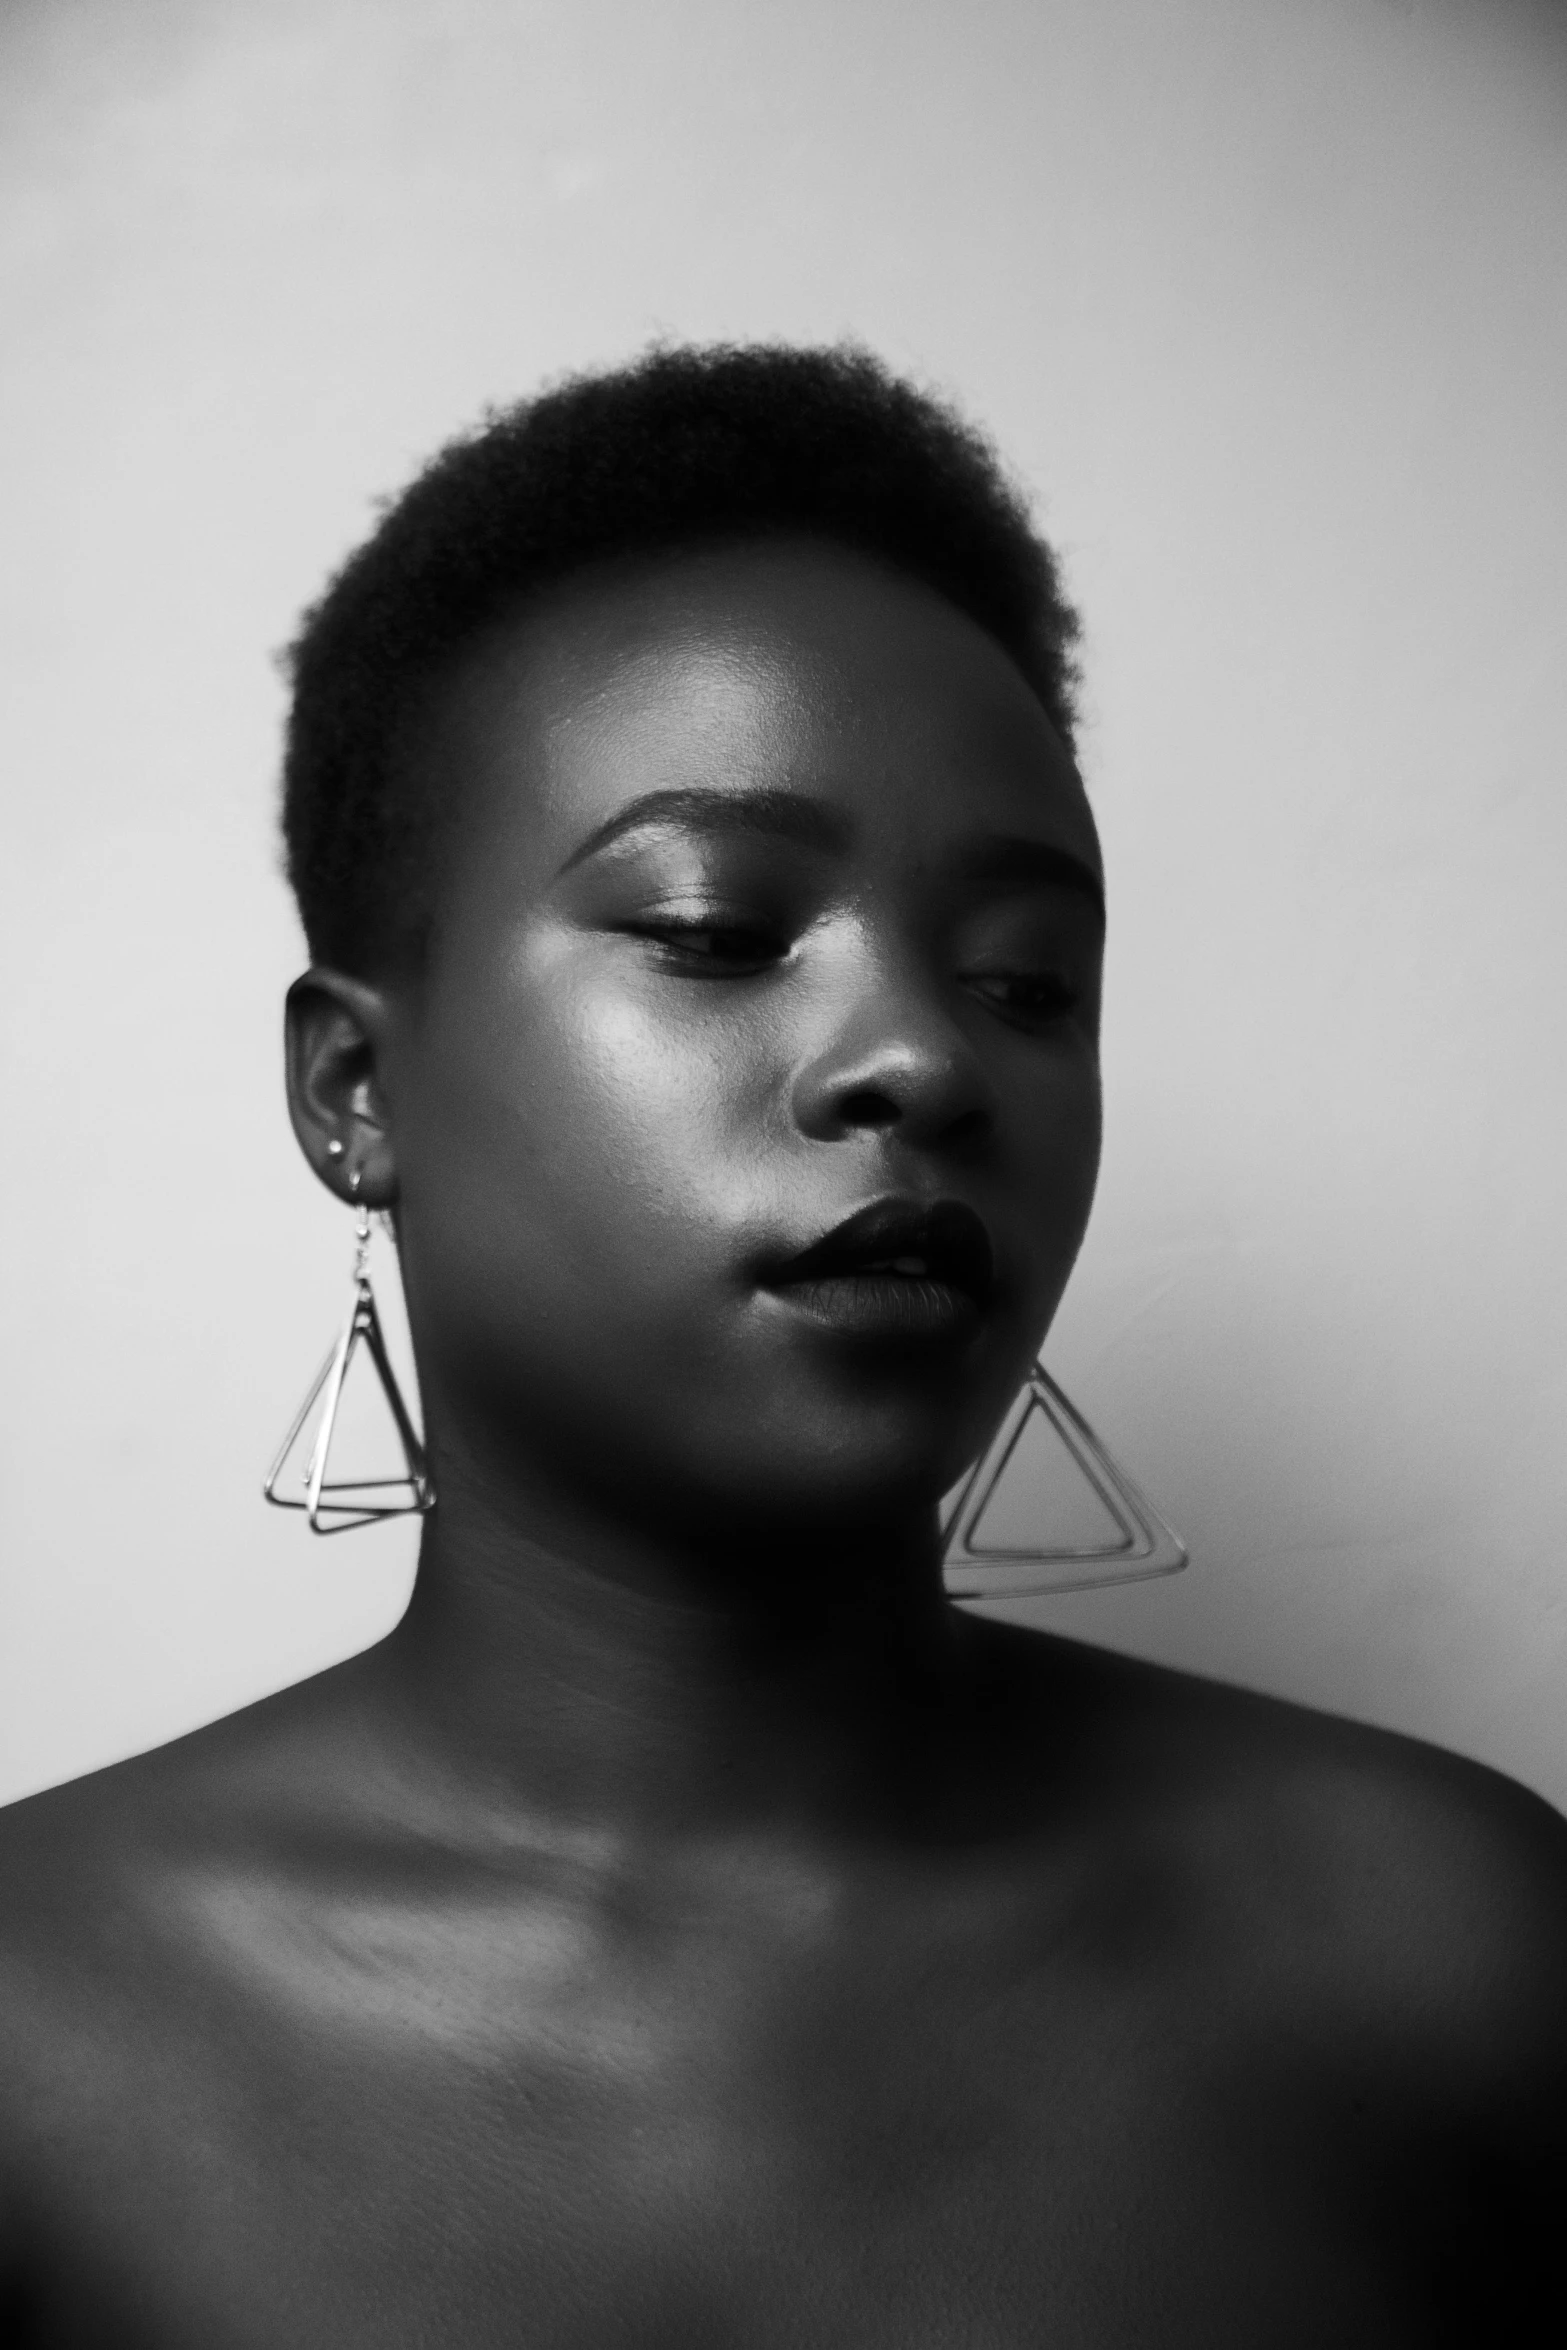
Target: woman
<point>686,1928</point>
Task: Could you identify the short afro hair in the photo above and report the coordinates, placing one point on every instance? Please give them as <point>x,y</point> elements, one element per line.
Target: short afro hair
<point>685,447</point>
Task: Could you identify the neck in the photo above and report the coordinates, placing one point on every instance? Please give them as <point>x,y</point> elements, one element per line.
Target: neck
<point>643,1680</point>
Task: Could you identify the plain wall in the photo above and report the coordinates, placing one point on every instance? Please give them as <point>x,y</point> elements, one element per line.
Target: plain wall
<point>1265,299</point>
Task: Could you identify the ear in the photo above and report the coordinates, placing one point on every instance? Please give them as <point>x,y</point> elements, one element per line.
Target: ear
<point>336,1036</point>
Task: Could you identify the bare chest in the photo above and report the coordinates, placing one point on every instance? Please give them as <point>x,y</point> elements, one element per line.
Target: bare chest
<point>911,2146</point>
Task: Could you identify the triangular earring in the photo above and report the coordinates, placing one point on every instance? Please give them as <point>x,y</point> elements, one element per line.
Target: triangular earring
<point>989,1549</point>
<point>338,1505</point>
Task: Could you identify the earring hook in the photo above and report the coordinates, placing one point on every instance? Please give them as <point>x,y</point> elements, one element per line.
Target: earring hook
<point>361,1225</point>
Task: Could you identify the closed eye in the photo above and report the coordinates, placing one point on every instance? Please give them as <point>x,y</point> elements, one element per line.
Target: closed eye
<point>1033,997</point>
<point>713,949</point>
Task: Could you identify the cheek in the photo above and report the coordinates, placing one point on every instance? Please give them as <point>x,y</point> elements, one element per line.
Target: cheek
<point>1085,1126</point>
<point>1054,1116</point>
<point>572,1130</point>
<point>646,1113</point>
<point>1052,1169</point>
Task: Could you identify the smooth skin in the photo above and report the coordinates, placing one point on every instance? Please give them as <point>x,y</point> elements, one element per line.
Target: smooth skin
<point>687,1929</point>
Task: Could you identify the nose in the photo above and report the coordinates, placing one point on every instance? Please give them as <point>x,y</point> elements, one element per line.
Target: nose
<point>898,1062</point>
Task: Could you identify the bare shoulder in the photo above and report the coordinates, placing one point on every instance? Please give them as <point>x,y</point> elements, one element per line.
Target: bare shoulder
<point>122,1887</point>
<point>1417,1897</point>
<point>157,1923</point>
<point>79,1855</point>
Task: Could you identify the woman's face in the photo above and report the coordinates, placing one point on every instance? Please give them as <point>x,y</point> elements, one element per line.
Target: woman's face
<point>772,899</point>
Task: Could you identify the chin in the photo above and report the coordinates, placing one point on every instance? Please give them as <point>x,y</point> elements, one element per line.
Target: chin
<point>872,1477</point>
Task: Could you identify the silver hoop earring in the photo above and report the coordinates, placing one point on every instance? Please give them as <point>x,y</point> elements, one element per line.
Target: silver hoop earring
<point>338,1505</point>
<point>987,1552</point>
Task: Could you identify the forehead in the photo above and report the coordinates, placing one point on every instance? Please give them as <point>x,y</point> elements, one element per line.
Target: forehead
<point>787,665</point>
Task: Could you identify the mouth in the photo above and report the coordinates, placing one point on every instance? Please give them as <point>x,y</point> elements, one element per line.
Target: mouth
<point>897,1269</point>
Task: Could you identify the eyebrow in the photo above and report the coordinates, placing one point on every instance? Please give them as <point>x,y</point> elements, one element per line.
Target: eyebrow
<point>1013,857</point>
<point>814,824</point>
<point>784,815</point>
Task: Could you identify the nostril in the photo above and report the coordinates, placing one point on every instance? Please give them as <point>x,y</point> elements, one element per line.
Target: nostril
<point>869,1107</point>
<point>969,1126</point>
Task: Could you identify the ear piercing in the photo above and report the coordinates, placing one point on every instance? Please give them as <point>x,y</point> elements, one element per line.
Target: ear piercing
<point>334,1150</point>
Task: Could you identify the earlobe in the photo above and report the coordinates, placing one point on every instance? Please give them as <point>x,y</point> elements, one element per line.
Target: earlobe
<point>336,1029</point>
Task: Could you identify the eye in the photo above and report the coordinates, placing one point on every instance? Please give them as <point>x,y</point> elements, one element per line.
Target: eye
<point>711,946</point>
<point>1031,997</point>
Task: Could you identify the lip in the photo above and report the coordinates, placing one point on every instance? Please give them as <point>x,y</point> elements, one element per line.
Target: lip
<point>897,1269</point>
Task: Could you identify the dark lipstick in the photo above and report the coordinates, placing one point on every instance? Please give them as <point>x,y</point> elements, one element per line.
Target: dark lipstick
<point>896,1269</point>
